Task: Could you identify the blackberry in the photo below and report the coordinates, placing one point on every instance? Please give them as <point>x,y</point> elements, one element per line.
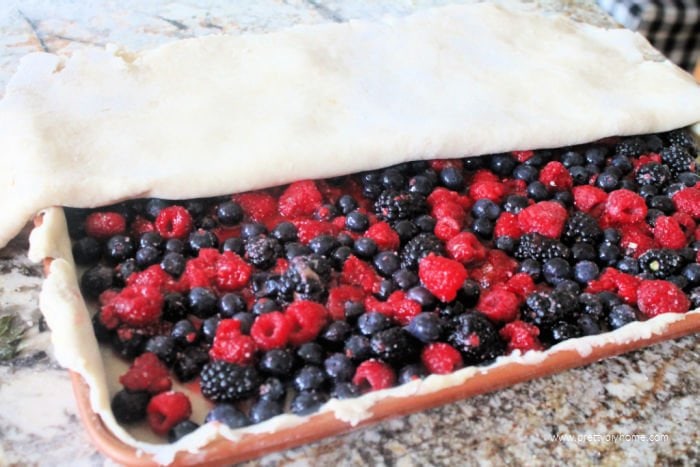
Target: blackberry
<point>265,409</point>
<point>222,381</point>
<point>182,429</point>
<point>630,147</point>
<point>307,402</point>
<point>540,248</point>
<point>678,159</point>
<point>130,407</point>
<point>657,175</point>
<point>660,263</point>
<point>87,251</point>
<point>475,337</point>
<point>543,309</point>
<point>395,205</point>
<point>262,251</point>
<point>227,414</point>
<point>394,345</point>
<point>418,248</point>
<point>682,138</point>
<point>581,227</point>
<point>189,363</point>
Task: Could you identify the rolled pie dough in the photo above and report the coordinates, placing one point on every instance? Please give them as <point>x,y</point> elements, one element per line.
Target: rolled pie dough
<point>224,114</point>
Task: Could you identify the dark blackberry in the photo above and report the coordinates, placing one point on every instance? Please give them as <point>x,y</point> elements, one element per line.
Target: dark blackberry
<point>265,409</point>
<point>307,402</point>
<point>621,315</point>
<point>661,263</point>
<point>189,363</point>
<point>309,377</point>
<point>395,205</point>
<point>681,137</point>
<point>358,348</point>
<point>277,362</point>
<point>540,248</point>
<point>118,248</point>
<point>678,159</point>
<point>475,337</point>
<point>228,415</point>
<point>412,372</point>
<point>653,174</point>
<point>262,251</point>
<point>543,309</point>
<point>181,430</point>
<point>339,367</point>
<point>222,381</point>
<point>394,345</point>
<point>272,389</point>
<point>418,248</point>
<point>87,251</point>
<point>96,280</point>
<point>130,407</point>
<point>229,213</point>
<point>163,347</point>
<point>311,353</point>
<point>630,147</point>
<point>345,391</point>
<point>426,327</point>
<point>581,227</point>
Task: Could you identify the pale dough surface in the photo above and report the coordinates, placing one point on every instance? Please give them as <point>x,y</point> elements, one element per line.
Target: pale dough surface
<point>222,114</point>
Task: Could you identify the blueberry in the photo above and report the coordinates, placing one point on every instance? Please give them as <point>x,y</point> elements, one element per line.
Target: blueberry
<point>531,267</point>
<point>486,208</point>
<point>227,414</point>
<point>347,204</point>
<point>392,179</point>
<point>583,252</point>
<point>539,158</point>
<point>423,296</point>
<point>306,402</point>
<point>174,307</point>
<point>579,174</point>
<point>662,203</point>
<point>588,325</point>
<point>118,248</point>
<point>652,215</point>
<point>680,281</point>
<point>96,280</point>
<point>585,271</point>
<point>609,254</point>
<point>406,230</point>
<point>611,235</point>
<point>648,191</point>
<point>339,367</point>
<point>405,278</point>
<point>294,249</point>
<point>154,206</point>
<point>252,229</point>
<point>628,265</point>
<point>173,263</point>
<point>201,302</point>
<point>202,239</point>
<point>596,155</point>
<point>353,310</point>
<point>358,347</point>
<point>231,303</point>
<point>483,227</point>
<point>515,203</point>
<point>264,305</point>
<point>571,158</point>
<point>622,163</point>
<point>452,178</point>
<point>284,232</point>
<point>555,270</point>
<point>385,288</point>
<point>421,185</point>
<point>689,179</point>
<point>607,180</point>
<point>246,320</point>
<point>181,429</point>
<point>372,322</point>
<point>277,362</point>
<point>526,173</point>
<point>265,409</point>
<point>426,327</point>
<point>537,191</point>
<point>386,263</point>
<point>308,378</point>
<point>311,353</point>
<point>207,223</point>
<point>335,334</point>
<point>412,372</point>
<point>507,244</point>
<point>394,345</point>
<point>692,273</point>
<point>272,389</point>
<point>130,407</point>
<point>621,315</point>
<point>344,390</point>
<point>234,245</point>
<point>566,198</point>
<point>229,213</point>
<point>562,331</point>
<point>326,212</point>
<point>475,163</point>
<point>340,255</point>
<point>163,347</point>
<point>147,256</point>
<point>365,247</point>
<point>184,333</point>
<point>209,327</point>
<point>357,221</point>
<point>502,164</point>
<point>468,294</point>
<point>323,244</point>
<point>87,251</point>
<point>425,223</point>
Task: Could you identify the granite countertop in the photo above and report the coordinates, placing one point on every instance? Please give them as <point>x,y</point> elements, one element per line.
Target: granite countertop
<point>652,392</point>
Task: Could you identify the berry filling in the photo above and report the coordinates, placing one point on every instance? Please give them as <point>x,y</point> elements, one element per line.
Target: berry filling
<point>274,301</point>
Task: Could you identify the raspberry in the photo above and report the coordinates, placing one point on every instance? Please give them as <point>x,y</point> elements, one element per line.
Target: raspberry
<point>443,277</point>
<point>635,240</point>
<point>439,164</point>
<point>612,280</point>
<point>372,304</point>
<point>450,209</point>
<point>443,195</point>
<point>646,159</point>
<point>685,222</point>
<point>259,206</point>
<point>173,222</point>
<point>589,199</point>
<point>404,309</point>
<point>147,373</point>
<point>545,218</point>
<point>521,284</point>
<point>375,374</point>
<point>521,336</point>
<point>688,202</point>
<point>498,267</point>
<point>232,272</point>
<point>466,248</point>
<point>138,305</point>
<point>507,225</point>
<point>271,330</point>
<point>499,304</point>
<point>307,229</point>
<point>230,345</point>
<point>447,228</point>
<point>300,199</point>
<point>306,320</point>
<point>522,156</point>
<point>384,236</point>
<point>153,276</point>
<point>339,296</point>
<point>441,358</point>
<point>668,233</point>
<point>556,177</point>
<point>103,225</point>
<point>166,410</point>
<point>659,296</point>
<point>625,207</point>
<point>140,226</point>
<point>357,272</point>
<point>493,190</point>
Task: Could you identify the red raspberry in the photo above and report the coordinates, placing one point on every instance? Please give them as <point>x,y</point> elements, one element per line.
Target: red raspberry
<point>484,175</point>
<point>439,164</point>
<point>307,229</point>
<point>147,373</point>
<point>441,359</point>
<point>443,277</point>
<point>300,199</point>
<point>140,226</point>
<point>507,225</point>
<point>232,272</point>
<point>685,222</point>
<point>372,304</point>
<point>546,218</point>
<point>522,156</point>
<point>339,296</point>
<point>499,304</point>
<point>625,285</point>
<point>625,207</point>
<point>374,375</point>
<point>495,191</point>
<point>446,229</point>
<point>357,272</point>
<point>166,410</point>
<point>271,330</point>
<point>589,199</point>
<point>668,233</point>
<point>521,336</point>
<point>498,268</point>
<point>645,159</point>
<point>174,222</point>
<point>635,240</point>
<point>230,345</point>
<point>384,236</point>
<point>556,177</point>
<point>103,225</point>
<point>258,205</point>
<point>688,201</point>
<point>522,285</point>
<point>153,276</point>
<point>306,319</point>
<point>450,209</point>
<point>404,309</point>
<point>466,248</point>
<point>657,296</point>
<point>138,305</point>
<point>443,195</point>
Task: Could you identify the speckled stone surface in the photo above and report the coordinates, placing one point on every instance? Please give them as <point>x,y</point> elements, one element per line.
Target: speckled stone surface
<point>584,416</point>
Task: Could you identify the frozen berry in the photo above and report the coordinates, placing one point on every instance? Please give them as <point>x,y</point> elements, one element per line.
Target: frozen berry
<point>166,410</point>
<point>441,358</point>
